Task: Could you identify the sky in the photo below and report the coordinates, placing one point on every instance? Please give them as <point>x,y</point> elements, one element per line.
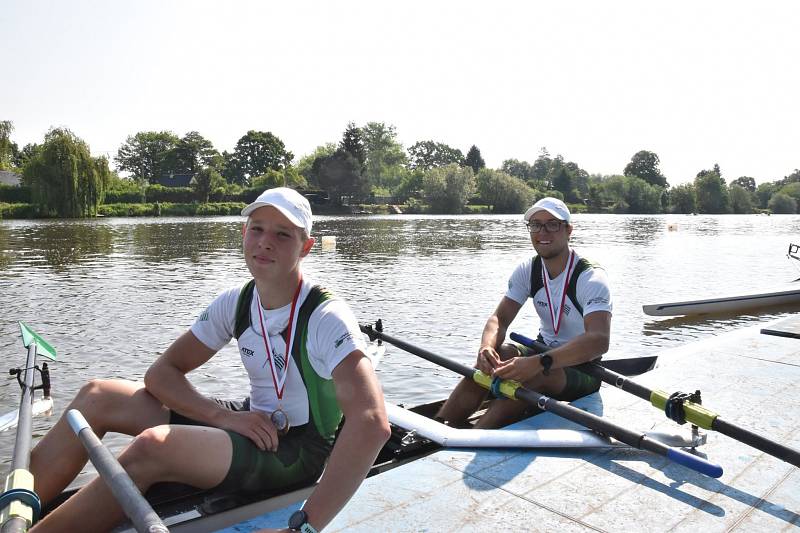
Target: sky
<point>696,82</point>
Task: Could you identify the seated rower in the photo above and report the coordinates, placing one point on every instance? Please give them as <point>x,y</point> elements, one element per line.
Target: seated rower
<point>304,356</point>
<point>573,301</point>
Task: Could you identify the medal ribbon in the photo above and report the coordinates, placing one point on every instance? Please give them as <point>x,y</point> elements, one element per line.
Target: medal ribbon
<point>288,340</point>
<point>546,283</point>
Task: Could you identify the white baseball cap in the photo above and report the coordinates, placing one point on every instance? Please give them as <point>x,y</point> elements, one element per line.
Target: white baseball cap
<point>289,202</point>
<point>554,206</point>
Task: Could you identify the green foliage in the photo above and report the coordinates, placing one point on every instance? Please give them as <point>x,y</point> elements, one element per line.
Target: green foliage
<point>65,180</point>
<point>518,169</point>
<point>13,194</point>
<point>792,189</point>
<point>448,188</point>
<point>503,193</point>
<point>474,159</point>
<point>6,146</point>
<point>746,182</point>
<point>148,155</point>
<point>782,204</point>
<point>741,200</point>
<point>121,190</point>
<point>192,153</point>
<point>162,194</point>
<point>629,194</point>
<point>682,199</point>
<point>170,209</point>
<point>385,157</point>
<point>644,165</point>
<point>287,177</point>
<point>764,192</point>
<point>353,143</point>
<point>425,155</point>
<point>205,181</point>
<point>341,175</point>
<point>305,166</point>
<point>410,187</point>
<point>255,153</point>
<point>18,210</point>
<point>712,192</point>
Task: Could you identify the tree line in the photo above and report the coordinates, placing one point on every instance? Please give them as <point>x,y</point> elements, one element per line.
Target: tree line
<point>64,179</point>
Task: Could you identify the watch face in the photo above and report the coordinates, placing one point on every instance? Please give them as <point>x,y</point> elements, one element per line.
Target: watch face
<point>297,519</point>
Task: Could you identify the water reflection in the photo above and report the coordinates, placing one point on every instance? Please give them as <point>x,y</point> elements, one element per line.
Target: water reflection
<point>111,294</point>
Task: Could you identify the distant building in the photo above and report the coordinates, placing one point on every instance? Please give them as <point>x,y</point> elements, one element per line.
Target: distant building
<point>10,178</point>
<point>175,180</point>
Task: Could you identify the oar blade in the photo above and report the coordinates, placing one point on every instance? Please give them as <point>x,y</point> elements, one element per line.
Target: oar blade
<point>42,346</point>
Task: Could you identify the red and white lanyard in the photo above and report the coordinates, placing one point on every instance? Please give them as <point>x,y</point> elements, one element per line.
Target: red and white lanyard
<point>555,319</point>
<point>289,341</point>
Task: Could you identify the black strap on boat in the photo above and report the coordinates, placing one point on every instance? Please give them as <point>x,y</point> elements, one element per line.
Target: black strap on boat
<point>673,407</point>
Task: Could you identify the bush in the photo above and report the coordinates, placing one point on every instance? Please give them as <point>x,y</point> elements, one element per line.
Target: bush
<point>13,194</point>
<point>18,210</point>
<point>159,193</point>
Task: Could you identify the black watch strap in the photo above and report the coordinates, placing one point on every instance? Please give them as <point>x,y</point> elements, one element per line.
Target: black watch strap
<point>547,361</point>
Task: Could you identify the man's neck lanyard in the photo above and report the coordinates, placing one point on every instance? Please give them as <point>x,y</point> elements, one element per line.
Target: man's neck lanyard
<point>555,318</point>
<point>279,417</point>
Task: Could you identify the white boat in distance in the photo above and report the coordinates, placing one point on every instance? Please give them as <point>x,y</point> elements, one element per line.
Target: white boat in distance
<point>729,304</point>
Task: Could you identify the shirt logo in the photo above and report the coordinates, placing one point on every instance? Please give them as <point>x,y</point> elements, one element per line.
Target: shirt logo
<point>341,339</point>
<point>203,316</point>
<point>247,352</point>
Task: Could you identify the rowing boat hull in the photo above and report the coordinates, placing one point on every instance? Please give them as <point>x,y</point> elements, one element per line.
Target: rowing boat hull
<point>728,304</point>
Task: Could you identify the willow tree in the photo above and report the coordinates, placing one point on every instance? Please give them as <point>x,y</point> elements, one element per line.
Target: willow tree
<point>65,180</point>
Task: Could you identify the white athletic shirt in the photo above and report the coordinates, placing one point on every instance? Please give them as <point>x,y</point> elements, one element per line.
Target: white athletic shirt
<point>333,333</point>
<point>592,292</point>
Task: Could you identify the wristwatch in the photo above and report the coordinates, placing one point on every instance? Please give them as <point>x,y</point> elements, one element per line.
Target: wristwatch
<point>299,522</point>
<point>547,361</point>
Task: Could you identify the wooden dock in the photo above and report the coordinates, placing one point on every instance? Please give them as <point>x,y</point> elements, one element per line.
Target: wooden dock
<point>748,378</point>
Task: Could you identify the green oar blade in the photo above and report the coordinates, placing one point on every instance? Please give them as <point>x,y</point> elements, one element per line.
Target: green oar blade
<point>43,347</point>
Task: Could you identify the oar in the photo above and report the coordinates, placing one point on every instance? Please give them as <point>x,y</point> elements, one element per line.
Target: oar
<point>687,411</point>
<point>19,503</point>
<point>515,390</point>
<point>125,491</point>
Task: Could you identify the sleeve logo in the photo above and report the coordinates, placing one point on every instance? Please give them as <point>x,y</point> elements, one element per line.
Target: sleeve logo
<point>341,339</point>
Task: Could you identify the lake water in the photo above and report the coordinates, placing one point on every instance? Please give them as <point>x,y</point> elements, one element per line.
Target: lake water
<point>111,294</point>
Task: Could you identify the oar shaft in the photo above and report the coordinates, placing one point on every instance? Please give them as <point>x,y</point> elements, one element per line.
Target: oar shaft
<point>125,491</point>
<point>22,443</point>
<point>694,413</point>
<point>632,438</point>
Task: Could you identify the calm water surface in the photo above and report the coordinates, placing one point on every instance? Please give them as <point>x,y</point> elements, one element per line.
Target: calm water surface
<point>111,294</point>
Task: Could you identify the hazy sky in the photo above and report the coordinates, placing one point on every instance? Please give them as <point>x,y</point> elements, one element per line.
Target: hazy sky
<point>696,82</point>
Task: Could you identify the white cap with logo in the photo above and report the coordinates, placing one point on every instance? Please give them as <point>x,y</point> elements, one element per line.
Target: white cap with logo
<point>554,206</point>
<point>289,202</point>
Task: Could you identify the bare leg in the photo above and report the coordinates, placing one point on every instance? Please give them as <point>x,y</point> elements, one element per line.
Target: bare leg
<point>197,456</point>
<point>463,401</point>
<point>108,405</point>
<point>468,395</point>
<point>505,411</point>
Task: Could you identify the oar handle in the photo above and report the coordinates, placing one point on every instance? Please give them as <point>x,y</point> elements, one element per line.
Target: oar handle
<point>530,343</point>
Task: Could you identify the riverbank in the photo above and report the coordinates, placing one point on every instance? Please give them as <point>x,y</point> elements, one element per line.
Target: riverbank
<point>28,211</point>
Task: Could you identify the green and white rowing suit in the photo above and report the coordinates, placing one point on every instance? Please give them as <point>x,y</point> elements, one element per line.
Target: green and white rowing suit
<point>324,333</point>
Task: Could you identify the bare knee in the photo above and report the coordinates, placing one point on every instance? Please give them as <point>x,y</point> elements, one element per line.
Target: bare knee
<point>143,458</point>
<point>508,351</point>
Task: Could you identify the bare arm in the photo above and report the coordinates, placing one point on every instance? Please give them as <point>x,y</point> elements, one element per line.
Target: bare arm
<point>166,380</point>
<point>585,347</point>
<point>365,430</point>
<point>494,333</point>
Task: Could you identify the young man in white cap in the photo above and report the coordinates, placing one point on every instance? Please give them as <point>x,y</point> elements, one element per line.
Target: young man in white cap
<point>305,373</point>
<point>573,301</point>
